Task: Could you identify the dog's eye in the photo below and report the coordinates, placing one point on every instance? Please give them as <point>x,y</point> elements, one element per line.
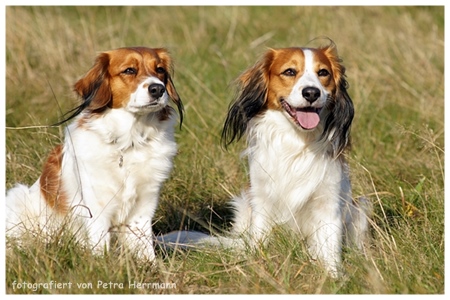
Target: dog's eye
<point>323,73</point>
<point>160,70</point>
<point>130,71</point>
<point>289,72</point>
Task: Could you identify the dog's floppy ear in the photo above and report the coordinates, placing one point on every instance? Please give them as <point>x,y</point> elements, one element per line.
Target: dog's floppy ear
<point>339,121</point>
<point>171,90</point>
<point>250,98</point>
<point>93,88</point>
<point>175,97</point>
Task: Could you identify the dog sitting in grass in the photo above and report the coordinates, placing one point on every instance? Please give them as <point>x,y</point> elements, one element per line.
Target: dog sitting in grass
<point>116,155</point>
<point>293,108</point>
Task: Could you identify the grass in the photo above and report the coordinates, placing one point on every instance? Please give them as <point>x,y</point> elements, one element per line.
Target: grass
<point>395,64</point>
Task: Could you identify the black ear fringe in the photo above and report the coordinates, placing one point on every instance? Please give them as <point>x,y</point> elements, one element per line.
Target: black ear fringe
<point>176,99</point>
<point>71,114</point>
<point>180,108</point>
<point>86,102</point>
<point>249,102</point>
<point>338,123</point>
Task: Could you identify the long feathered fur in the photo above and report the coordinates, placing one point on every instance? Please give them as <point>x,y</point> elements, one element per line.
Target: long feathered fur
<point>106,176</point>
<point>298,177</point>
<point>251,97</point>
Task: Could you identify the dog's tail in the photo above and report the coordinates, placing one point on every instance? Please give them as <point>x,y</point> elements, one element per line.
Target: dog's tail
<point>236,239</point>
<point>195,240</point>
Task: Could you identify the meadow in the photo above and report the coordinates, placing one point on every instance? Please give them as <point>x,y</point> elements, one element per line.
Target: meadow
<point>395,67</point>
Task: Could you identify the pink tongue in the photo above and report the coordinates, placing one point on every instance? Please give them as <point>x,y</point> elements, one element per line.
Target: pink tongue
<point>307,119</point>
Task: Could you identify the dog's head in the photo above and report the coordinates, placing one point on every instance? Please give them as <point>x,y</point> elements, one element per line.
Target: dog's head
<point>306,84</point>
<point>137,79</point>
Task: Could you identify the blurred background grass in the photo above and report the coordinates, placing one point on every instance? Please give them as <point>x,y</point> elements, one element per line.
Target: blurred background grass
<point>395,66</point>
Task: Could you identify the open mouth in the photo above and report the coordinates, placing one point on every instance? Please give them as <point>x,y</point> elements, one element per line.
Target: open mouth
<point>306,117</point>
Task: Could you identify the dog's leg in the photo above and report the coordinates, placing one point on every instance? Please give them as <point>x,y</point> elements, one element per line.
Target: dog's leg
<point>260,228</point>
<point>250,221</point>
<point>324,238</point>
<point>98,234</point>
<point>138,234</point>
<point>138,237</point>
<point>325,245</point>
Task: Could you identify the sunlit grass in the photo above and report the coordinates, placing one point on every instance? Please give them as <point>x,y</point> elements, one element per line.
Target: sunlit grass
<point>395,63</point>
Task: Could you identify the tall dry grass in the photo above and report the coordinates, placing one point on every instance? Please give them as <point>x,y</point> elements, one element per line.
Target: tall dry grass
<point>395,65</point>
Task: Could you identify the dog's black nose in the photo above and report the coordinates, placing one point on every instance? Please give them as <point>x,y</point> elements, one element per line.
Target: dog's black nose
<point>311,94</point>
<point>156,90</point>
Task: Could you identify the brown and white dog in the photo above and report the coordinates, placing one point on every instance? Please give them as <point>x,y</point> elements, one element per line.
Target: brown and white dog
<point>293,108</point>
<point>295,112</point>
<point>116,154</point>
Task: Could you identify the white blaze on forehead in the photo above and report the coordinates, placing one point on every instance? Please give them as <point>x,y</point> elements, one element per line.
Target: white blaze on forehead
<point>307,79</point>
<point>309,58</point>
<point>306,113</point>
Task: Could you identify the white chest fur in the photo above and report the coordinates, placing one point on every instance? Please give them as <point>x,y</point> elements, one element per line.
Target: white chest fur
<point>287,166</point>
<point>120,158</point>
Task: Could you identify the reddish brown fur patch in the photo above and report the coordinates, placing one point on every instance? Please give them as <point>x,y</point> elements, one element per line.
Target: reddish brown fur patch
<point>279,60</point>
<point>116,74</point>
<point>145,62</point>
<point>280,86</point>
<point>50,182</point>
<point>325,59</point>
<point>94,86</point>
